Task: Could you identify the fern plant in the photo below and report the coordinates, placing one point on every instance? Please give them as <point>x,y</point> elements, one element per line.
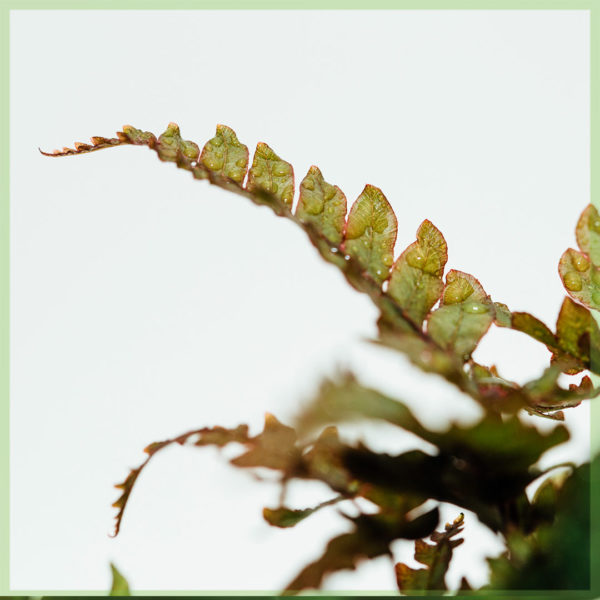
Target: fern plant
<point>437,322</point>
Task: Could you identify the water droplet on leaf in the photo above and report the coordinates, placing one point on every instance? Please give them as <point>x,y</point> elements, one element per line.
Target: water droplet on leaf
<point>573,282</point>
<point>581,262</point>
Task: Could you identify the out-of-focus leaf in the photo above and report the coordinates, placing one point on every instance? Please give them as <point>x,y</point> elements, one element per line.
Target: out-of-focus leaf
<point>532,326</point>
<point>119,586</point>
<point>545,394</point>
<point>323,205</point>
<point>503,316</point>
<point>288,517</point>
<point>480,468</point>
<point>347,400</point>
<point>274,448</point>
<point>226,155</point>
<point>465,314</point>
<point>271,174</point>
<point>587,233</point>
<point>556,556</point>
<point>578,335</point>
<point>324,461</point>
<point>436,557</point>
<point>416,279</point>
<point>371,233</point>
<point>371,537</point>
<point>218,436</point>
<point>508,441</point>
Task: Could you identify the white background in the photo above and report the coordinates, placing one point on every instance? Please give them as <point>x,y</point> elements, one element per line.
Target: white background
<point>145,303</point>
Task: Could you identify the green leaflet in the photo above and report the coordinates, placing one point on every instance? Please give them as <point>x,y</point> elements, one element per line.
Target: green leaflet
<point>435,557</point>
<point>587,233</point>
<point>226,155</point>
<point>371,233</point>
<point>322,205</point>
<point>271,174</point>
<point>119,587</point>
<point>580,271</point>
<point>171,147</point>
<point>465,314</point>
<point>416,280</point>
<point>580,278</point>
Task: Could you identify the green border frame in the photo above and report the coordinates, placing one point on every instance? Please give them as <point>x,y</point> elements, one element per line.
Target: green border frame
<point>593,6</point>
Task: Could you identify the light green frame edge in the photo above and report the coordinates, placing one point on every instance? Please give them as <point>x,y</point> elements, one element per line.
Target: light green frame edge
<point>7,5</point>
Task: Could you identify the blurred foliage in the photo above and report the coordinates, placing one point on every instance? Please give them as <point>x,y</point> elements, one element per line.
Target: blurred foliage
<point>437,323</point>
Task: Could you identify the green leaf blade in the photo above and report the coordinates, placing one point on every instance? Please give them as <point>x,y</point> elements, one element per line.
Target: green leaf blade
<point>119,586</point>
<point>271,174</point>
<point>464,316</point>
<point>225,155</point>
<point>580,278</point>
<point>171,146</point>
<point>416,279</point>
<point>322,205</point>
<point>371,233</point>
<point>587,233</point>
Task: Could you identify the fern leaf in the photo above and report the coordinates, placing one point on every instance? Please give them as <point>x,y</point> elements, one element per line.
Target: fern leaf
<point>363,248</point>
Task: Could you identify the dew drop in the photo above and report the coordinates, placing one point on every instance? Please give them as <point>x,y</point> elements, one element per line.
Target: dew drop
<point>241,163</point>
<point>387,260</point>
<point>280,170</point>
<point>274,188</point>
<point>595,225</point>
<point>416,260</point>
<point>257,171</point>
<point>217,141</point>
<point>329,194</point>
<point>218,153</point>
<point>573,282</point>
<point>334,250</point>
<point>347,257</point>
<point>307,184</point>
<point>213,164</point>
<point>475,308</point>
<point>581,263</point>
<point>236,174</point>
